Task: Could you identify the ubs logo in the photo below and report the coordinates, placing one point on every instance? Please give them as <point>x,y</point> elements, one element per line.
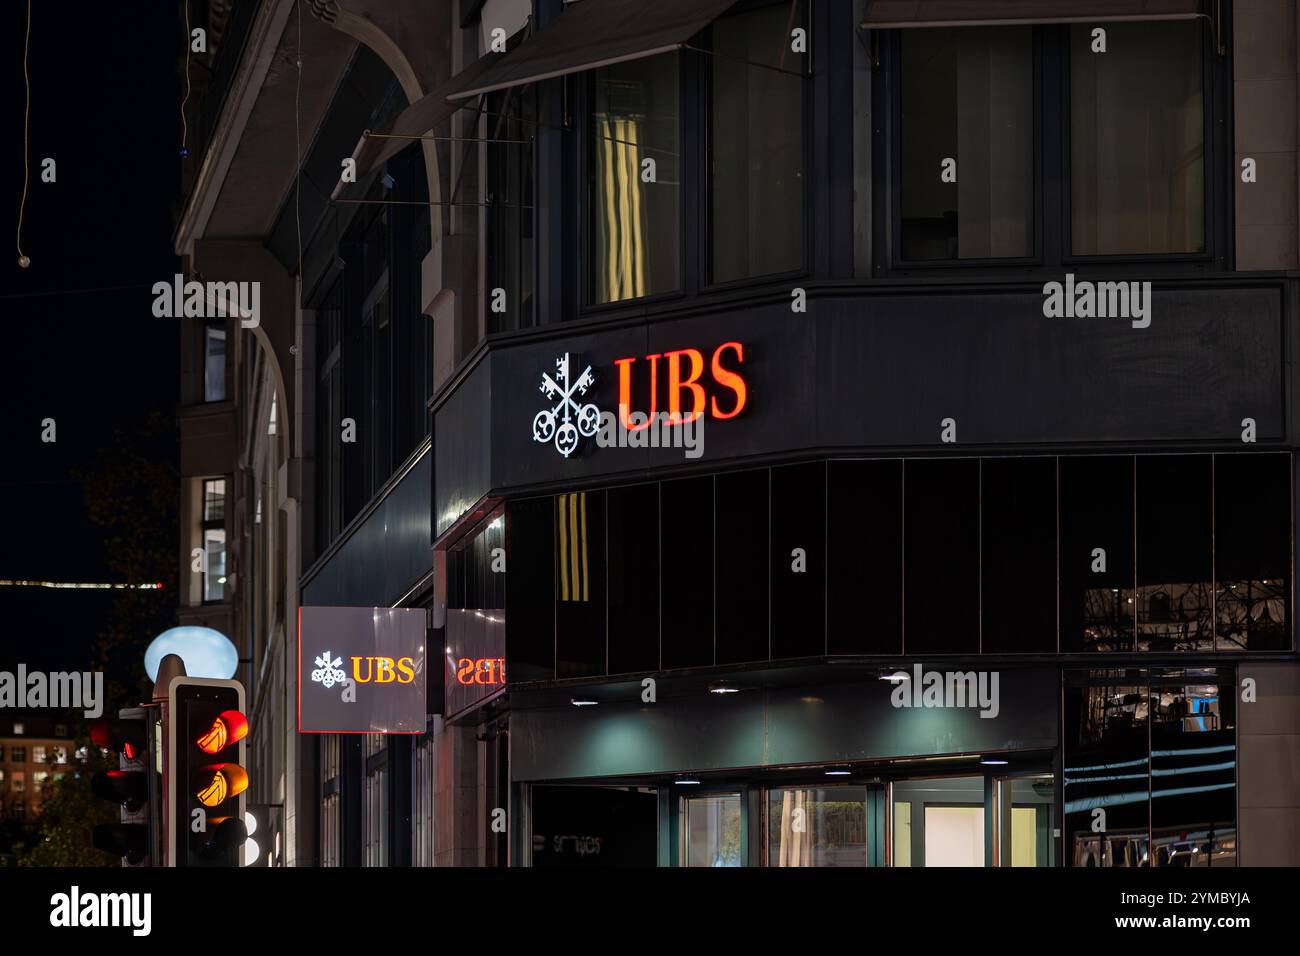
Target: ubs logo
<point>384,670</point>
<point>481,670</point>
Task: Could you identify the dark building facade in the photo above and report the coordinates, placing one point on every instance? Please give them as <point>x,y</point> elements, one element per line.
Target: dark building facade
<point>822,433</point>
<point>919,468</point>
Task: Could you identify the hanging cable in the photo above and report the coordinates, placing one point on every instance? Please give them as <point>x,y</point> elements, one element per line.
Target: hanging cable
<point>297,147</point>
<point>23,261</point>
<point>185,126</point>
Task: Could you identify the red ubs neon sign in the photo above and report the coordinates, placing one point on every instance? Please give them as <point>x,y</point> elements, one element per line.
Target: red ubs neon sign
<point>481,670</point>
<point>685,388</point>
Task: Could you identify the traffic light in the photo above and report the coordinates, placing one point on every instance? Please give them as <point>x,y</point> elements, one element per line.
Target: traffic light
<point>130,786</point>
<point>207,736</point>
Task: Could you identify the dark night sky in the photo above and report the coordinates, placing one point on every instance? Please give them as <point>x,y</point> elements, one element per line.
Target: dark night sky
<point>105,105</point>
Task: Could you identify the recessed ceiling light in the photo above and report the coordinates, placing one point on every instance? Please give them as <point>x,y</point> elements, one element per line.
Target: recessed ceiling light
<point>993,761</point>
<point>837,771</point>
<point>582,702</point>
<point>896,677</point>
<point>723,689</point>
<point>686,782</point>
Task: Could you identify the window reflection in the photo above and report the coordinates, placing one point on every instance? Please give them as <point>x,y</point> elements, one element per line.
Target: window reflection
<point>1106,769</point>
<point>635,218</point>
<point>1193,776</point>
<point>1175,562</point>
<point>1252,551</point>
<point>1150,772</point>
<point>817,827</point>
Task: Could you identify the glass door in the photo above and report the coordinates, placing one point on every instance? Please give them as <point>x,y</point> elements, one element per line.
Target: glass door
<point>713,831</point>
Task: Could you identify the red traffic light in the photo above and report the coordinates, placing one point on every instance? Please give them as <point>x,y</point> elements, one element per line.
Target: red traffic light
<point>228,728</point>
<point>125,736</point>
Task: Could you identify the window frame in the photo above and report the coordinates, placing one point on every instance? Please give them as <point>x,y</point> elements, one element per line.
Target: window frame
<point>211,330</point>
<point>207,524</point>
<point>694,92</point>
<point>1052,221</point>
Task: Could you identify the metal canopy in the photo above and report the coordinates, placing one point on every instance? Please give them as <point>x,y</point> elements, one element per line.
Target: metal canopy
<point>418,118</point>
<point>591,34</point>
<point>899,14</point>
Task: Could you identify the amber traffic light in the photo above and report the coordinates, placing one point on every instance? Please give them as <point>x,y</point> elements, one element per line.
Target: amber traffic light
<point>219,782</point>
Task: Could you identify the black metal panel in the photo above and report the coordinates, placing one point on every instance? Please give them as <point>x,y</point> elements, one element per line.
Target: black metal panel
<point>882,372</point>
<point>462,430</point>
<point>386,555</point>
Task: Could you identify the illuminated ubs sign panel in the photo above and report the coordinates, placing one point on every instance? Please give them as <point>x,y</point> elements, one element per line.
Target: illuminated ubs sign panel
<point>361,670</point>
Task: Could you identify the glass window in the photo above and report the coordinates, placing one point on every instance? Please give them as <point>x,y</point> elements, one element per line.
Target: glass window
<point>711,831</point>
<point>1018,544</point>
<point>214,364</point>
<point>634,199</point>
<point>756,150</point>
<point>60,754</point>
<point>508,237</point>
<point>18,728</point>
<point>938,822</point>
<point>1137,139</point>
<point>799,560</point>
<point>864,590</point>
<point>17,754</point>
<point>1193,773</point>
<point>530,590</point>
<point>214,579</point>
<point>580,584</point>
<point>941,556</point>
<point>589,826</point>
<point>687,593</point>
<point>19,782</point>
<point>1096,555</point>
<point>1252,552</point>
<point>633,578</point>
<point>1175,538</point>
<point>1150,771</point>
<point>39,755</point>
<point>741,566</point>
<point>966,167</point>
<point>817,827</point>
<point>1107,779</point>
<point>423,783</point>
<point>375,850</point>
<point>214,500</point>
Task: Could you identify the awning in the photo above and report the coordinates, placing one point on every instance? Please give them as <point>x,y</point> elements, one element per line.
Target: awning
<point>418,118</point>
<point>594,33</point>
<point>894,14</point>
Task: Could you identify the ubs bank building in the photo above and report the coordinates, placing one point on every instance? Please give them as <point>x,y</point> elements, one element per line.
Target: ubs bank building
<point>881,452</point>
